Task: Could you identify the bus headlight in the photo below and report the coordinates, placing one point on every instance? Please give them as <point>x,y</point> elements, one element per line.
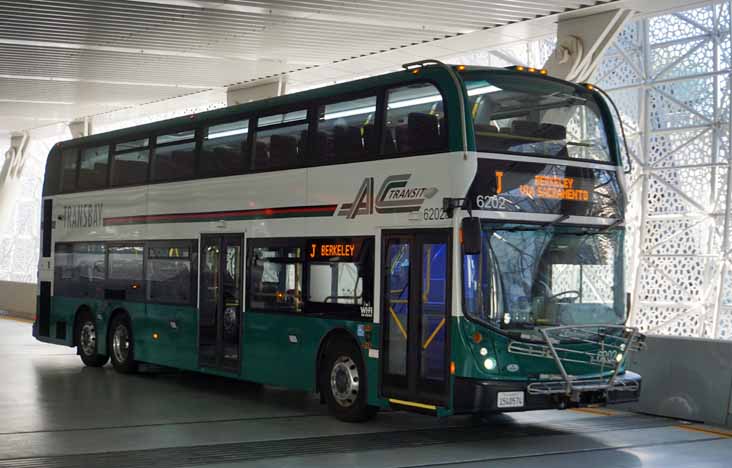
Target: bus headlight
<point>619,358</point>
<point>483,351</point>
<point>489,363</point>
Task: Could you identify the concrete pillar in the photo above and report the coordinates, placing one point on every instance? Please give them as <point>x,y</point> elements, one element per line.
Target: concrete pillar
<point>243,93</point>
<point>80,128</point>
<point>581,42</point>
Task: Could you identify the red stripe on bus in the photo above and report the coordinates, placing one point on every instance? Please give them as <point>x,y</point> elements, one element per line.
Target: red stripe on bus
<point>264,212</point>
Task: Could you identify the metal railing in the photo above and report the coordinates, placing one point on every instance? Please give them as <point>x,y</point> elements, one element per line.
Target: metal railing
<point>604,347</point>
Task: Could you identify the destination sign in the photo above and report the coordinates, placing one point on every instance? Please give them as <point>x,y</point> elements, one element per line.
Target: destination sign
<point>545,188</point>
<point>554,188</point>
<point>334,250</point>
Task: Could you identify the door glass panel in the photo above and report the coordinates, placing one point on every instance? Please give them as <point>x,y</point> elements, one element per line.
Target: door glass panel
<point>397,294</point>
<point>434,311</point>
<point>232,305</point>
<point>210,290</point>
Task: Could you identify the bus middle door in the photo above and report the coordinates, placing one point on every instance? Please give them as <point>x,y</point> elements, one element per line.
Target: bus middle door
<point>416,315</point>
<point>219,320</point>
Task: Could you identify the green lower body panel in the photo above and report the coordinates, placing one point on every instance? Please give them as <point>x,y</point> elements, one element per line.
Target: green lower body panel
<point>276,349</point>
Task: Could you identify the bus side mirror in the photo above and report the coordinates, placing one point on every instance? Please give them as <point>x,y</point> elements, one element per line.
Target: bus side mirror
<point>471,236</point>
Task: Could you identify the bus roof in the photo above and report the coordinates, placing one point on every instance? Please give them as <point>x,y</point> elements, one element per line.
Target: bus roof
<point>273,103</point>
<point>430,72</point>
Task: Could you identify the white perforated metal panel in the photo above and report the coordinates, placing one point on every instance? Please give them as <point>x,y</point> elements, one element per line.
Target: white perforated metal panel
<point>670,76</point>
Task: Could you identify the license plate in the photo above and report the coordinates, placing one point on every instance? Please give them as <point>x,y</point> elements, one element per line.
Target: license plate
<point>510,399</point>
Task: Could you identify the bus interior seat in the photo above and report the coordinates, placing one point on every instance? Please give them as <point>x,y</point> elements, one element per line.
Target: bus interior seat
<point>369,139</point>
<point>543,131</point>
<point>96,177</point>
<point>423,132</point>
<point>125,172</point>
<point>182,163</point>
<point>551,136</point>
<point>282,150</point>
<point>487,136</point>
<point>486,128</point>
<point>223,159</point>
<point>389,143</point>
<point>347,142</point>
<point>68,178</point>
<point>552,131</point>
<point>401,139</point>
<point>324,147</point>
<point>261,155</point>
<point>524,128</point>
<point>302,145</point>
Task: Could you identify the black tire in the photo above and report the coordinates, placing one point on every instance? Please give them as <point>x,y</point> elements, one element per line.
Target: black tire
<point>121,345</point>
<point>85,336</point>
<point>341,370</point>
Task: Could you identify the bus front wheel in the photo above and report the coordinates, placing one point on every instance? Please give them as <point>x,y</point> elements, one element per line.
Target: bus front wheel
<point>343,383</point>
<point>86,341</point>
<point>121,345</point>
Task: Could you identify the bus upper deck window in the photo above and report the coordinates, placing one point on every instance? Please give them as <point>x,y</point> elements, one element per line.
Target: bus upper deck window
<point>346,130</point>
<point>225,148</point>
<point>69,161</point>
<point>415,120</point>
<point>281,141</point>
<point>93,168</point>
<point>532,115</point>
<point>174,156</point>
<point>130,162</point>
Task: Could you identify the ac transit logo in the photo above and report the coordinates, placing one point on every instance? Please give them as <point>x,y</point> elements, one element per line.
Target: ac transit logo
<point>393,197</point>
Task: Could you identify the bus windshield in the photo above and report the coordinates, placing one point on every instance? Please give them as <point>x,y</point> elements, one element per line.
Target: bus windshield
<point>527,277</point>
<point>535,116</point>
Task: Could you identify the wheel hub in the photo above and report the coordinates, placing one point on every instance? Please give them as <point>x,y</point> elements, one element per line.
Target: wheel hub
<point>344,381</point>
<point>88,339</point>
<point>121,343</point>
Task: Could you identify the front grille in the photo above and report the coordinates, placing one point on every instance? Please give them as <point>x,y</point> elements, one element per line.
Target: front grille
<point>602,348</point>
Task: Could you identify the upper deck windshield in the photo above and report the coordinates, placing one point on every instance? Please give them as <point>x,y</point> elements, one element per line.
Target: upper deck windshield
<point>524,114</point>
<point>527,277</point>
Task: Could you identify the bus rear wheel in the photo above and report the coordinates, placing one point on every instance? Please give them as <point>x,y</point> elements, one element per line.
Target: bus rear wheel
<point>86,341</point>
<point>121,345</point>
<point>343,383</point>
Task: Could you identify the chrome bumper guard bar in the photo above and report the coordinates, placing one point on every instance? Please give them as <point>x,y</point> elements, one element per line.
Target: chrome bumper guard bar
<point>610,346</point>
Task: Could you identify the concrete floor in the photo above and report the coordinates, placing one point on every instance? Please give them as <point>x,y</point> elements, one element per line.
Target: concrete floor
<point>56,413</point>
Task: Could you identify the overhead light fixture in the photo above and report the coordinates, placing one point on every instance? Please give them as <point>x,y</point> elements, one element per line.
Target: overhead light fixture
<point>483,90</point>
<point>349,113</point>
<point>225,133</point>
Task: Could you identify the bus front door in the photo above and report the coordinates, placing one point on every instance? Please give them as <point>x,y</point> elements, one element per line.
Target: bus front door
<point>415,317</point>
<point>219,320</point>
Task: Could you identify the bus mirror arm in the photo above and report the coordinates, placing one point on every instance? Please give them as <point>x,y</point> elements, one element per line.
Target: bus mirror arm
<point>449,205</point>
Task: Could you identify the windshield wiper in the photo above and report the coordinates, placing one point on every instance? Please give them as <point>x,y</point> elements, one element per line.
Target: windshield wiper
<point>611,225</point>
<point>549,224</point>
<point>555,221</point>
<point>599,230</point>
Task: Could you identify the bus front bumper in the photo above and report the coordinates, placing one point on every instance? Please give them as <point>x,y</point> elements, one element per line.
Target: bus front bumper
<point>491,396</point>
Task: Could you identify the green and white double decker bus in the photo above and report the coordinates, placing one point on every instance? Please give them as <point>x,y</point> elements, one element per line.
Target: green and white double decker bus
<point>442,239</point>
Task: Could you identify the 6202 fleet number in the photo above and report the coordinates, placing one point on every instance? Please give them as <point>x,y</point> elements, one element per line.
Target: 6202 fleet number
<point>434,214</point>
